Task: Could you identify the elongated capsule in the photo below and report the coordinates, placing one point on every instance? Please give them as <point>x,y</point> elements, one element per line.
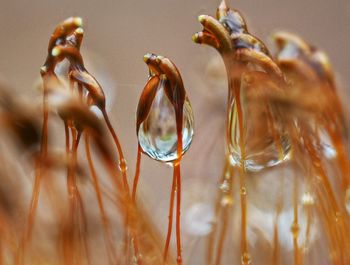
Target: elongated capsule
<point>164,112</point>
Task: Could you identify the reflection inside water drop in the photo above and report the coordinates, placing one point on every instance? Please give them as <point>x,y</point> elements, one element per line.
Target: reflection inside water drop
<point>157,134</point>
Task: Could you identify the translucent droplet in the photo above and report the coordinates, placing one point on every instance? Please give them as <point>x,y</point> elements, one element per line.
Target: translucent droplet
<point>243,191</point>
<point>122,165</point>
<point>338,217</point>
<point>226,200</point>
<point>265,140</point>
<point>136,259</point>
<point>225,187</point>
<point>307,199</point>
<point>295,229</point>
<point>245,258</point>
<point>179,259</point>
<point>157,134</point>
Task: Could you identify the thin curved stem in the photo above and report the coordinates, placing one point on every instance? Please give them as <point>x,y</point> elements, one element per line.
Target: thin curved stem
<point>243,191</point>
<point>133,198</point>
<point>295,225</point>
<point>122,162</point>
<point>75,206</point>
<point>225,208</point>
<point>137,174</point>
<point>177,173</point>
<point>96,184</point>
<point>39,168</point>
<point>170,222</point>
<point>218,208</point>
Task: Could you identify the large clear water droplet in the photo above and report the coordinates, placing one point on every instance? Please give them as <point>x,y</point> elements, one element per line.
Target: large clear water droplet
<point>157,134</point>
<point>265,142</point>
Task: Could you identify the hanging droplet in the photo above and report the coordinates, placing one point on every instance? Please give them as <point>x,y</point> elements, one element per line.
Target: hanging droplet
<point>295,229</point>
<point>123,167</point>
<point>157,134</point>
<point>136,259</point>
<point>225,186</point>
<point>243,191</point>
<point>307,199</point>
<point>245,259</point>
<point>265,141</point>
<point>226,200</point>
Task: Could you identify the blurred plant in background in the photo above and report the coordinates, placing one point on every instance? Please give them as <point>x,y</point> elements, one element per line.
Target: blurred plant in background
<point>283,196</point>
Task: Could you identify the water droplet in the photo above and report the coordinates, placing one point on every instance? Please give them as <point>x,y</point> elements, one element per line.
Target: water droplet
<point>243,191</point>
<point>157,134</point>
<point>307,199</point>
<point>136,258</point>
<point>226,200</point>
<point>245,258</point>
<point>225,187</point>
<point>122,165</point>
<point>179,259</point>
<point>295,229</point>
<point>266,143</point>
<point>338,217</point>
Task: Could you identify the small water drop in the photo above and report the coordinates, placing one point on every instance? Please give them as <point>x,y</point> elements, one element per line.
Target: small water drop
<point>226,200</point>
<point>136,259</point>
<point>307,199</point>
<point>157,133</point>
<point>122,165</point>
<point>225,187</point>
<point>338,217</point>
<point>243,191</point>
<point>245,259</point>
<point>179,259</point>
<point>256,137</point>
<point>295,229</point>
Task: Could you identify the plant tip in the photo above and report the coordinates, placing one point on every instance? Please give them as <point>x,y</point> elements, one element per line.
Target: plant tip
<point>55,51</point>
<point>78,21</point>
<point>201,18</point>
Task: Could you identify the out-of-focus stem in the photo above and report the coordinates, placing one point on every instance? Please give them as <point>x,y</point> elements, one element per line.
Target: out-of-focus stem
<point>225,207</point>
<point>122,162</point>
<point>295,226</point>
<point>243,190</point>
<point>96,184</point>
<point>218,208</point>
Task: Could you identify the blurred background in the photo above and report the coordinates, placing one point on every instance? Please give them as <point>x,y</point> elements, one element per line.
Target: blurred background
<point>117,35</point>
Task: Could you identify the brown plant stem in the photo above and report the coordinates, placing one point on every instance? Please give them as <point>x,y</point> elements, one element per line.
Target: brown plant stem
<point>137,173</point>
<point>178,209</point>
<point>170,222</point>
<point>120,150</point>
<point>225,208</point>
<point>104,218</point>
